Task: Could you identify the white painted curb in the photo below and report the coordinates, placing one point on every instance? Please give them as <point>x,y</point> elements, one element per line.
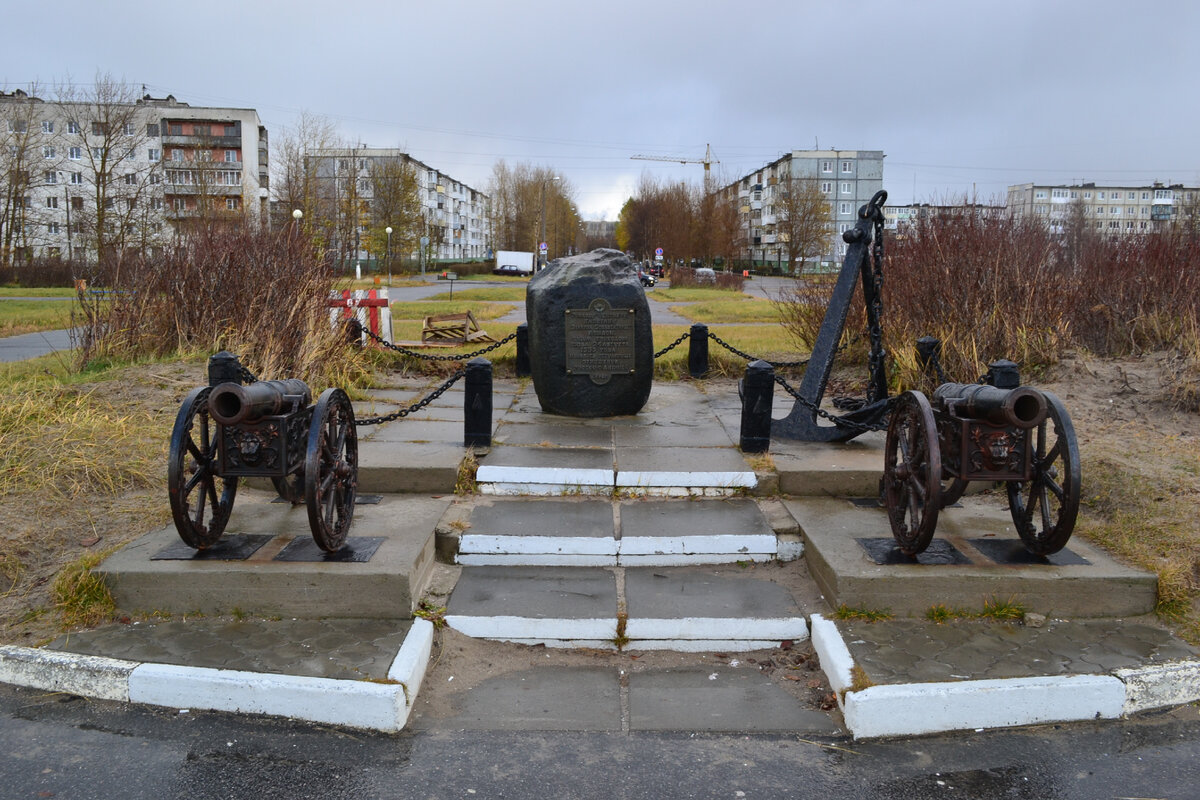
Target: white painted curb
<point>533,628</point>
<point>1160,685</point>
<point>831,649</point>
<point>411,661</point>
<point>358,704</point>
<point>775,629</point>
<point>55,671</point>
<point>909,709</point>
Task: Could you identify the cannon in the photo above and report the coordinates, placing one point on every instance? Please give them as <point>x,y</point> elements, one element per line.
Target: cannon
<point>995,431</point>
<point>228,430</point>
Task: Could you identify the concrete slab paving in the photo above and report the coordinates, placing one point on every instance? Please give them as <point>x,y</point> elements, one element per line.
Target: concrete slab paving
<point>408,467</point>
<point>415,430</point>
<point>388,586</point>
<point>544,433</point>
<point>716,700</point>
<point>345,649</point>
<point>847,575</point>
<point>534,603</point>
<point>692,467</point>
<point>546,699</point>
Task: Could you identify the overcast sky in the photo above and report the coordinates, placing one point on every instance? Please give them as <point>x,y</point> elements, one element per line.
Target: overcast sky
<point>963,97</point>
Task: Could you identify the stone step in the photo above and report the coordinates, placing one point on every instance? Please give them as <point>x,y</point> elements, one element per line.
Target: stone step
<point>975,557</point>
<point>687,609</point>
<point>595,532</point>
<point>267,564</point>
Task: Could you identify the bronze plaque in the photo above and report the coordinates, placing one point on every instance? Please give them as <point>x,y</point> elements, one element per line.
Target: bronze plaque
<point>599,341</point>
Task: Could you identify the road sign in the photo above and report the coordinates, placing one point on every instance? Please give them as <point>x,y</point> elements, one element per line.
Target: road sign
<point>658,252</point>
<point>542,247</point>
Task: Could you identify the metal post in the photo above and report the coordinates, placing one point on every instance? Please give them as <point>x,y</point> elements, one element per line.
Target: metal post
<point>224,367</point>
<point>758,391</point>
<point>1003,374</point>
<point>524,368</point>
<point>477,404</point>
<point>929,352</point>
<point>698,351</point>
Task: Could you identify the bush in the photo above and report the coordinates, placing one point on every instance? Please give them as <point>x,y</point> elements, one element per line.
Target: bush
<point>259,293</point>
<point>42,273</point>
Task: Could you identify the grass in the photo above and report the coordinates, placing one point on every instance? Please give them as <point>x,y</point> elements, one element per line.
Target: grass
<point>699,295</point>
<point>26,291</point>
<point>729,311</point>
<point>845,612</point>
<point>507,294</point>
<point>994,609</point>
<point>759,341</point>
<point>81,597</point>
<point>27,316</point>
<point>419,309</point>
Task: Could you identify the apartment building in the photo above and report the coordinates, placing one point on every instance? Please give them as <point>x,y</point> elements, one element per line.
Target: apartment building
<point>456,217</point>
<point>846,178</point>
<point>76,177</point>
<point>1110,209</point>
<point>900,218</point>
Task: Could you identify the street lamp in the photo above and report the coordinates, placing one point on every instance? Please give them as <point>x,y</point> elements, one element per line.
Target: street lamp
<point>297,215</point>
<point>388,230</point>
<point>541,262</point>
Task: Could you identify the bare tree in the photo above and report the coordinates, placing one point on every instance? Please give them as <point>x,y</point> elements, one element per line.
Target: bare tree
<point>801,219</point>
<point>107,134</point>
<point>19,134</point>
<point>395,203</point>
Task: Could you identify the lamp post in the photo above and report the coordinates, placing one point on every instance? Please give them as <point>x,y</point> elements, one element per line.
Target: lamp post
<point>541,262</point>
<point>388,230</point>
<point>297,215</point>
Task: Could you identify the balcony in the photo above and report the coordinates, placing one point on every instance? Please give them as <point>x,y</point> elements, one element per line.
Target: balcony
<point>205,141</point>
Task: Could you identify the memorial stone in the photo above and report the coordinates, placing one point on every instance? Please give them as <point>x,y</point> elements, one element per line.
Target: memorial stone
<point>591,347</point>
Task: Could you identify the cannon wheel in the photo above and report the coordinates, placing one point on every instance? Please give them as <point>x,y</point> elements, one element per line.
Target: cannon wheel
<point>192,475</point>
<point>331,470</point>
<point>1044,508</point>
<point>291,488</point>
<point>912,471</point>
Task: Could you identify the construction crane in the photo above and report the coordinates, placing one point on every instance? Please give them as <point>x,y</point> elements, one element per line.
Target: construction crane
<point>707,161</point>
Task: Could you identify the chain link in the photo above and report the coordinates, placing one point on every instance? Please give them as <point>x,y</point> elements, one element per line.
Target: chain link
<point>749,357</point>
<point>673,344</point>
<point>428,357</point>
<point>417,406</point>
<point>841,422</point>
<point>246,375</point>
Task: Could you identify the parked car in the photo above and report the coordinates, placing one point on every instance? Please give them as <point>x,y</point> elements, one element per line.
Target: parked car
<point>706,275</point>
<point>647,279</point>
<point>508,269</point>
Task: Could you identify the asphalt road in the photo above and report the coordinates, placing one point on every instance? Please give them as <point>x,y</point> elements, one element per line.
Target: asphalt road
<point>32,345</point>
<point>60,746</point>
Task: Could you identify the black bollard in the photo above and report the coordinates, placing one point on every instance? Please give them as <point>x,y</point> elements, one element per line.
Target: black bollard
<point>224,367</point>
<point>758,392</point>
<point>929,353</point>
<point>524,369</point>
<point>477,404</point>
<point>354,332</point>
<point>698,351</point>
<point>1003,374</point>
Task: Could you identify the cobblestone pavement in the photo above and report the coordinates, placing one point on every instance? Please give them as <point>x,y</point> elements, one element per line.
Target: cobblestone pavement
<point>341,649</point>
<point>915,651</point>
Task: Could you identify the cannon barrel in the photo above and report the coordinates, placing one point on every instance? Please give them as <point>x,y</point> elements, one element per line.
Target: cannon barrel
<point>232,403</point>
<point>1022,407</point>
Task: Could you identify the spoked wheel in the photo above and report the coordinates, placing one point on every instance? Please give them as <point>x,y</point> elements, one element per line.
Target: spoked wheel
<point>201,501</point>
<point>291,488</point>
<point>331,470</point>
<point>912,471</point>
<point>1044,508</point>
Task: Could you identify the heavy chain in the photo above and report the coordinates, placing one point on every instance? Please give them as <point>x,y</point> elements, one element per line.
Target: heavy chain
<point>877,355</point>
<point>841,422</point>
<point>417,406</point>
<point>246,375</point>
<point>428,357</point>
<point>673,345</point>
<point>749,357</point>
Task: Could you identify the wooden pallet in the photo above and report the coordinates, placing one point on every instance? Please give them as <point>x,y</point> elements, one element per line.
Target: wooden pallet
<point>453,329</point>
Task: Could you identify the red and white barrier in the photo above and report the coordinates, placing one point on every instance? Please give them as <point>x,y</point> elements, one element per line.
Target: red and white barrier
<point>370,307</point>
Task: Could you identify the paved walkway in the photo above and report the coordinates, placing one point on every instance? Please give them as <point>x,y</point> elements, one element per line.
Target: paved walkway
<point>32,345</point>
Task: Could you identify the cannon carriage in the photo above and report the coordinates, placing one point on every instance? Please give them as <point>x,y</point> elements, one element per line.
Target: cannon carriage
<point>995,431</point>
<point>230,430</point>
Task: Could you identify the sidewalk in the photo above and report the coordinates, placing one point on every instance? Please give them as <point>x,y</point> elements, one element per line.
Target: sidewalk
<point>670,599</point>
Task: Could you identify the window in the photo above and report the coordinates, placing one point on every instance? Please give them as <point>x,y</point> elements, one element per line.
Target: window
<point>51,176</point>
<point>75,153</point>
<point>826,166</point>
<point>129,179</point>
<point>231,156</point>
<point>48,151</point>
<point>51,202</point>
<point>845,187</point>
<point>179,203</point>
<point>98,153</point>
<point>826,187</point>
<point>130,202</point>
<point>152,130</point>
<point>1101,195</point>
<point>17,126</point>
<point>176,154</point>
<point>201,130</point>
<point>47,126</point>
<point>52,228</point>
<point>1040,194</point>
<point>847,167</point>
<point>153,154</point>
<point>1131,196</point>
<point>1087,195</point>
<point>843,208</point>
<point>1145,211</point>
<point>77,204</point>
<point>1059,193</point>
<point>155,179</point>
<point>127,129</point>
<point>77,178</point>
<point>231,203</point>
<point>97,129</point>
<point>1099,209</point>
<point>1162,194</point>
<point>204,155</point>
<point>156,203</point>
<point>1145,195</point>
<point>175,130</point>
<point>72,127</point>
